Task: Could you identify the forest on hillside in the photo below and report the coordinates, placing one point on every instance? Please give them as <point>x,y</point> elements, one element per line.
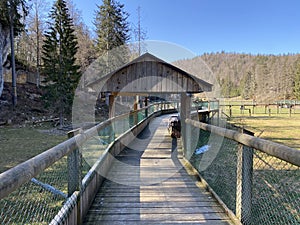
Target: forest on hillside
<point>259,77</point>
<point>51,47</point>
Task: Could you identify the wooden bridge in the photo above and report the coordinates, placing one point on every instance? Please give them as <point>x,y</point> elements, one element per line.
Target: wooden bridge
<point>143,176</point>
<point>148,184</point>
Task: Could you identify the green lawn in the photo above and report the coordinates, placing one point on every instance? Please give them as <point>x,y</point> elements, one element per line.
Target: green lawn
<point>20,144</point>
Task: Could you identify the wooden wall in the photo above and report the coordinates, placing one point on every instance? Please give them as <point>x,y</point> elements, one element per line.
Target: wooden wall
<point>150,75</point>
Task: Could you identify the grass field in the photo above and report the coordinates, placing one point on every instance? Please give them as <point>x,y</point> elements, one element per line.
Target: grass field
<point>275,189</point>
<point>279,127</point>
<point>20,144</point>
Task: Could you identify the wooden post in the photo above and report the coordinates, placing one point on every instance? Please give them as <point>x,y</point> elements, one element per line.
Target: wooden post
<point>146,105</point>
<point>135,115</point>
<point>244,184</point>
<point>185,113</point>
<point>111,105</point>
<point>266,109</point>
<point>74,167</point>
<point>111,100</point>
<point>74,173</point>
<point>230,111</point>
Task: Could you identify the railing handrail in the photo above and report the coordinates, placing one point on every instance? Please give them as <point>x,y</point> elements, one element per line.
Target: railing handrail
<point>13,178</point>
<point>280,151</point>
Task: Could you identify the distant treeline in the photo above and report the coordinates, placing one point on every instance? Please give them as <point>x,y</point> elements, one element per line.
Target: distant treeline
<point>259,77</point>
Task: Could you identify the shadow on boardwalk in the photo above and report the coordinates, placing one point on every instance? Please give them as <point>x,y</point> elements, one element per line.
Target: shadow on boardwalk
<point>148,185</point>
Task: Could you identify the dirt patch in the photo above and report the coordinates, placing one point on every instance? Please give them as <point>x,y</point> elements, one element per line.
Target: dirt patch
<point>30,108</point>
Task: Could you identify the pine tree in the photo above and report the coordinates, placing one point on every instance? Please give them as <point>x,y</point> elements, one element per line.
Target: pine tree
<point>248,84</point>
<point>59,52</point>
<point>112,31</point>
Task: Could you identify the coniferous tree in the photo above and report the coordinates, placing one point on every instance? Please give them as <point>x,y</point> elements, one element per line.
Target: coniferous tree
<point>86,53</point>
<point>248,85</point>
<point>112,31</point>
<point>111,26</point>
<point>59,52</point>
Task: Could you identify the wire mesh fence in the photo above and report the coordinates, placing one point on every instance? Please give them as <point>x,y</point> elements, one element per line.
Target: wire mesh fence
<point>40,199</point>
<point>272,191</point>
<point>276,191</point>
<point>217,165</point>
<point>37,201</point>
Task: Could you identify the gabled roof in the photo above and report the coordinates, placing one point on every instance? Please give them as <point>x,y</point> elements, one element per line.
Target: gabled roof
<point>149,74</point>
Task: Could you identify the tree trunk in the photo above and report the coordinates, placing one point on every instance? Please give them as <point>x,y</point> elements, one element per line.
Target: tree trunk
<point>13,63</point>
<point>4,50</point>
<point>1,70</point>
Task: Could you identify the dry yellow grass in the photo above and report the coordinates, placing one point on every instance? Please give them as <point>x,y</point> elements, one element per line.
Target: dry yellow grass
<point>280,128</point>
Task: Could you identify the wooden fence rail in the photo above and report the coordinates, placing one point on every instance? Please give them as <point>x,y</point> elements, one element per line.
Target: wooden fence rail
<point>80,190</point>
<point>280,151</point>
<point>244,166</point>
<point>13,178</point>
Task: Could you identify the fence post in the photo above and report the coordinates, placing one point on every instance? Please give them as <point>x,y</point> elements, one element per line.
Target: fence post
<point>135,113</point>
<point>74,172</point>
<point>185,113</point>
<point>266,109</point>
<point>244,184</point>
<point>146,107</point>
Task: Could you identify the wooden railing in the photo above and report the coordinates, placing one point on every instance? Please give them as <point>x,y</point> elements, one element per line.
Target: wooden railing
<point>246,144</point>
<point>280,151</point>
<point>81,191</point>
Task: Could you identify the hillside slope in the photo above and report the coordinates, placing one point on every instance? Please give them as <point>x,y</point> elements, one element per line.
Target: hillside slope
<point>260,77</point>
<point>29,105</point>
<point>31,108</point>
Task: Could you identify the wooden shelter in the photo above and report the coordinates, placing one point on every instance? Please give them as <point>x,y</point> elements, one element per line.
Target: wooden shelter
<point>149,75</point>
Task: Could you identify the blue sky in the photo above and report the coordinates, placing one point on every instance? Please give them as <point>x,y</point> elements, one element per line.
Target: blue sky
<point>204,26</point>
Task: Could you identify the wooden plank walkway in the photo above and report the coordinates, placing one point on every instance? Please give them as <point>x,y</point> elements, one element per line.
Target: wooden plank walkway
<point>148,185</point>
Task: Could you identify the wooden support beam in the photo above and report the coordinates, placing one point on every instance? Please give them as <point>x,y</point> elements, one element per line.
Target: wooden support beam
<point>244,183</point>
<point>135,114</point>
<point>185,113</point>
<point>146,104</point>
<point>129,94</point>
<point>111,106</point>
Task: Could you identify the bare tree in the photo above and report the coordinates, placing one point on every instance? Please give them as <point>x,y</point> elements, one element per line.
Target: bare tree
<point>11,24</point>
<point>38,26</point>
<point>139,34</point>
<point>86,50</point>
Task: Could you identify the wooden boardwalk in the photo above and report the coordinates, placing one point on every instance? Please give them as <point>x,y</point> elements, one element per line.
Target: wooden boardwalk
<point>148,185</point>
